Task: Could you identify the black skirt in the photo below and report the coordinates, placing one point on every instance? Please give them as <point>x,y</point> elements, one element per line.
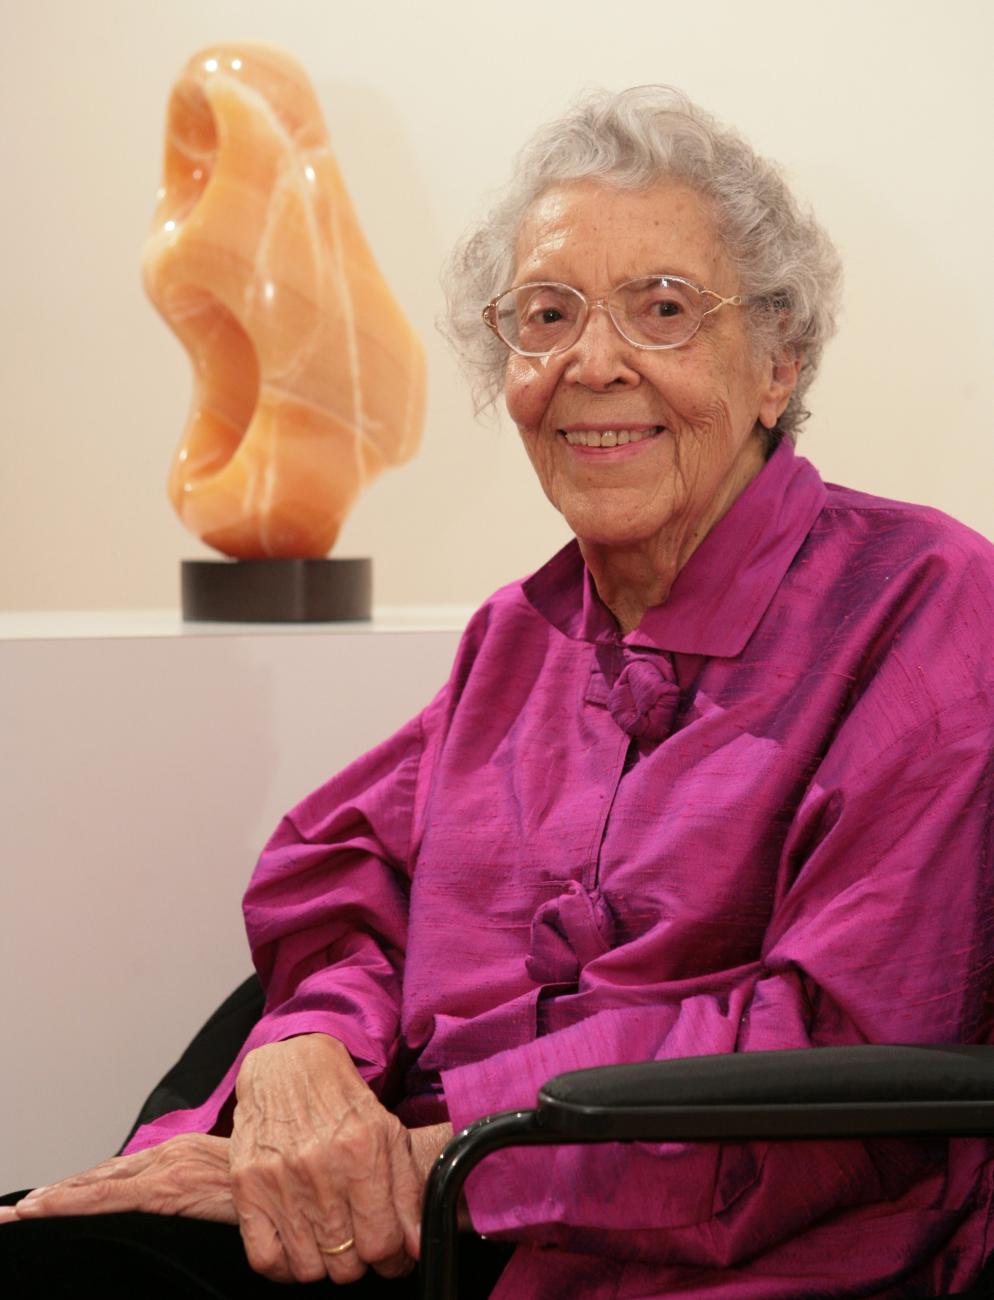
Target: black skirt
<point>158,1257</point>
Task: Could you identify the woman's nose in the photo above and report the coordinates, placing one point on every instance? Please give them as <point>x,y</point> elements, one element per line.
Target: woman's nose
<point>601,356</point>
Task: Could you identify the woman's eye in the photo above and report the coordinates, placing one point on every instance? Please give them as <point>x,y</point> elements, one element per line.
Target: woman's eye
<point>666,307</point>
<point>545,316</point>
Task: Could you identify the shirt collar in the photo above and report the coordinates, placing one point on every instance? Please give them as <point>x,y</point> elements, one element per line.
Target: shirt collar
<point>725,587</point>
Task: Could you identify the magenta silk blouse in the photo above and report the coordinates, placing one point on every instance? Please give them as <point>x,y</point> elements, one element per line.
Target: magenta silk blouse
<point>761,820</point>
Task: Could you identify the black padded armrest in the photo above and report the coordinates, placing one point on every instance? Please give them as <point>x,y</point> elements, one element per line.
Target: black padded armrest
<point>825,1092</point>
<point>818,1092</point>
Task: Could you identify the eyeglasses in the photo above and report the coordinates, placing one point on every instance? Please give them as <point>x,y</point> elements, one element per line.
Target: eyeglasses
<point>656,311</point>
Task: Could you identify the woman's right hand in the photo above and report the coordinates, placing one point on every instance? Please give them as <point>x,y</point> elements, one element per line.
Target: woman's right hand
<point>317,1161</point>
<point>186,1175</point>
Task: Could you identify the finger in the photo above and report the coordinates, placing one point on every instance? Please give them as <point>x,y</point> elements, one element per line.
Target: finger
<point>263,1247</point>
<point>187,1175</point>
<point>79,1195</point>
<point>302,1247</point>
<point>314,1238</point>
<point>343,1266</point>
<point>8,1214</point>
<point>408,1194</point>
<point>327,1223</point>
<point>277,1233</point>
<point>302,1205</point>
<point>84,1189</point>
<point>379,1230</point>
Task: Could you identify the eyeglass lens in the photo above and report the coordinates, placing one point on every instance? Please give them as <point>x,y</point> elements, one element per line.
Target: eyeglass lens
<point>654,311</point>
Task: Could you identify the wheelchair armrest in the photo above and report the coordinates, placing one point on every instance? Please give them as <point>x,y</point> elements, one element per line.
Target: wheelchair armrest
<point>814,1093</point>
<point>824,1092</point>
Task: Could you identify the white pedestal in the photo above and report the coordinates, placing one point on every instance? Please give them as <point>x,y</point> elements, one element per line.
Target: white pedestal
<point>142,766</point>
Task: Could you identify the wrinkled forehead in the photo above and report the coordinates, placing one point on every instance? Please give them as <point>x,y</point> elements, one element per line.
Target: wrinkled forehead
<point>593,236</point>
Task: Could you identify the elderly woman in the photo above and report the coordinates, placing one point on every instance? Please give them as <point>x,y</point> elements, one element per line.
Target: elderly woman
<point>714,779</point>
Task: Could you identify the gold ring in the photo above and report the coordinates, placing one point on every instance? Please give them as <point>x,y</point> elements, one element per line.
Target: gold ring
<point>337,1250</point>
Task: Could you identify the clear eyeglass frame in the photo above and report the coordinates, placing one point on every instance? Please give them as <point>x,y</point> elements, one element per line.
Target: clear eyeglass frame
<point>695,321</point>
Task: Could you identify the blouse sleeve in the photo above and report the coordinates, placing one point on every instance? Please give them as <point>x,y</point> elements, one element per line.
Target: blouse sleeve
<point>326,915</point>
<point>326,909</point>
<point>882,933</point>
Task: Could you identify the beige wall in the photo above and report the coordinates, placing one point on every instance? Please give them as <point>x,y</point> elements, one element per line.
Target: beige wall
<point>881,111</point>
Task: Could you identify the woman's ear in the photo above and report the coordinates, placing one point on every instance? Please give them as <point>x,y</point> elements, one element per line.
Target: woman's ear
<point>781,380</point>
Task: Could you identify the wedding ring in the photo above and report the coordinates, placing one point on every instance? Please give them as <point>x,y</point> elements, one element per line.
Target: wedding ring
<point>337,1250</point>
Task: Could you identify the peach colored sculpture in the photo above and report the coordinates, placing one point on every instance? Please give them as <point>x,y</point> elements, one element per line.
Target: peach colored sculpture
<point>308,378</point>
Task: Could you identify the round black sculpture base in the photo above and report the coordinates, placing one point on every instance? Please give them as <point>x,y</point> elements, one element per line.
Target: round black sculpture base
<point>277,591</point>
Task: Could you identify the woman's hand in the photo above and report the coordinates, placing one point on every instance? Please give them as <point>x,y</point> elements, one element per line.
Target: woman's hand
<point>186,1175</point>
<point>316,1162</point>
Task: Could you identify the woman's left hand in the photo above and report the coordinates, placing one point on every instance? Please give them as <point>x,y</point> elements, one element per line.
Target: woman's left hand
<point>323,1176</point>
<point>186,1175</point>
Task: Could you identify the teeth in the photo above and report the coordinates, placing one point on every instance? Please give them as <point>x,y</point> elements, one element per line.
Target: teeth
<point>609,438</point>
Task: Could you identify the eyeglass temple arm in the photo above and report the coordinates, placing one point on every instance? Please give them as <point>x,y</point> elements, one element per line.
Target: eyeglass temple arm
<point>736,300</point>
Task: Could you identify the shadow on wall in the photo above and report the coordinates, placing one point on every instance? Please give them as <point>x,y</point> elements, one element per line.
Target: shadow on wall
<point>889,412</point>
<point>372,144</point>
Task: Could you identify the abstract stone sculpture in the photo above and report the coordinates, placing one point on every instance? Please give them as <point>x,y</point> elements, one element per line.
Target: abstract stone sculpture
<point>308,378</point>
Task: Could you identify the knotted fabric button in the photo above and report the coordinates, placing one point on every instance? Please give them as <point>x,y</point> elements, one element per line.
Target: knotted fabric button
<point>644,699</point>
<point>567,932</point>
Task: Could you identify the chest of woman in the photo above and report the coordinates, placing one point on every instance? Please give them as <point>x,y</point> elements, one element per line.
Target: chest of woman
<point>603,824</point>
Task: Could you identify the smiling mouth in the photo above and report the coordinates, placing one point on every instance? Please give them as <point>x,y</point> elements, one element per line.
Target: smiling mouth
<point>609,437</point>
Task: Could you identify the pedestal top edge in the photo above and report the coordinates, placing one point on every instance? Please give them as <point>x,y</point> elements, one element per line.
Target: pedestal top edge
<point>113,624</point>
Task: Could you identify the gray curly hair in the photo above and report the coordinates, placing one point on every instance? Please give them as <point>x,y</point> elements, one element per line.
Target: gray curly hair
<point>632,140</point>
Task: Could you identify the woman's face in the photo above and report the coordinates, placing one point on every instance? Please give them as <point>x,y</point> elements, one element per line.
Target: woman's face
<point>699,407</point>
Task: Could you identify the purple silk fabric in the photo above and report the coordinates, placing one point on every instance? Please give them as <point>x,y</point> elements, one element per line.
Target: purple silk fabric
<point>761,820</point>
